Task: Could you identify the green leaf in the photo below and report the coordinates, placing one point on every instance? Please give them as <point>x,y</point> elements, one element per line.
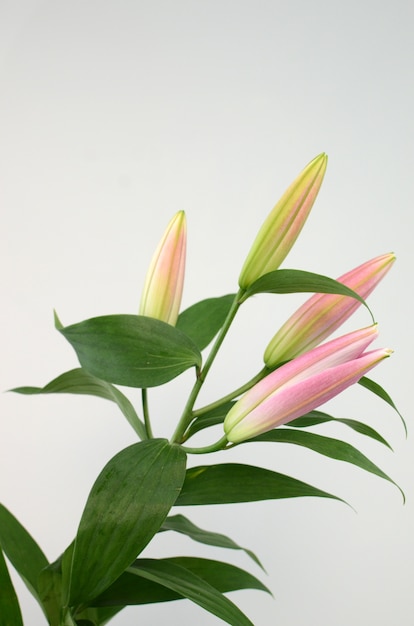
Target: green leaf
<point>21,550</point>
<point>318,417</point>
<point>181,524</point>
<point>129,589</point>
<point>232,482</point>
<point>202,321</point>
<point>381,393</point>
<point>132,350</point>
<point>333,448</point>
<point>10,614</point>
<point>125,509</point>
<point>211,418</point>
<point>78,381</point>
<point>190,586</point>
<point>50,591</point>
<point>299,281</point>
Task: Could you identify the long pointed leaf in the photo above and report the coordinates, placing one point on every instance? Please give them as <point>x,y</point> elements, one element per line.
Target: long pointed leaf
<point>181,524</point>
<point>132,350</point>
<point>300,281</point>
<point>333,448</point>
<point>232,482</point>
<point>21,550</point>
<point>192,587</point>
<point>10,614</point>
<point>318,417</point>
<point>381,393</point>
<point>129,589</point>
<point>126,507</point>
<point>78,381</point>
<point>202,321</point>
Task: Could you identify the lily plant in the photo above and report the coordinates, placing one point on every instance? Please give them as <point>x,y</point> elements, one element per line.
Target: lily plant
<point>133,498</point>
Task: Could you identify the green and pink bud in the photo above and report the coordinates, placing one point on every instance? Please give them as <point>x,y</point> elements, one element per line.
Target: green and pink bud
<point>161,296</point>
<point>303,384</point>
<point>283,225</point>
<point>322,314</point>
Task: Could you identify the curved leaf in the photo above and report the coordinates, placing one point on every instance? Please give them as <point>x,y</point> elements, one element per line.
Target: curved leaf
<point>126,507</point>
<point>333,448</point>
<point>381,393</point>
<point>132,350</point>
<point>10,614</point>
<point>300,281</point>
<point>232,482</point>
<point>202,321</point>
<point>190,586</point>
<point>318,417</point>
<point>21,550</point>
<point>129,589</point>
<point>181,524</point>
<point>79,381</point>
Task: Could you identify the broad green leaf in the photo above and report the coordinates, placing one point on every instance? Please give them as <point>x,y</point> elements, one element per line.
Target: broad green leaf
<point>181,524</point>
<point>190,586</point>
<point>132,350</point>
<point>381,393</point>
<point>232,482</point>
<point>299,281</point>
<point>130,589</point>
<point>318,417</point>
<point>21,550</point>
<point>126,507</point>
<point>213,417</point>
<point>202,321</point>
<point>333,448</point>
<point>10,614</point>
<point>79,381</point>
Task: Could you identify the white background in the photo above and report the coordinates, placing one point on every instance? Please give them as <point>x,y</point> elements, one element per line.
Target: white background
<point>116,114</point>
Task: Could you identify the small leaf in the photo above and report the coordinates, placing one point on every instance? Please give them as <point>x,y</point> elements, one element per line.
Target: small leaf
<point>202,321</point>
<point>21,550</point>
<point>131,589</point>
<point>132,350</point>
<point>10,614</point>
<point>300,281</point>
<point>78,381</point>
<point>125,509</point>
<point>333,448</point>
<point>318,417</point>
<point>181,524</point>
<point>232,482</point>
<point>381,393</point>
<point>192,587</point>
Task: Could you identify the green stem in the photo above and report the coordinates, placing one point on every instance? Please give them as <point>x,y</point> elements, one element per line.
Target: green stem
<point>187,415</point>
<point>148,427</point>
<point>219,445</point>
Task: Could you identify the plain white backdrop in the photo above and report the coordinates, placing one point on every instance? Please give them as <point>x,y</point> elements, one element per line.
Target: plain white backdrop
<point>116,114</point>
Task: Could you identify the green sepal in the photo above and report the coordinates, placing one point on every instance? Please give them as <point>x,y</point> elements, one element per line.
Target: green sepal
<point>126,507</point>
<point>231,482</point>
<point>10,614</point>
<point>181,524</point>
<point>132,350</point>
<point>332,448</point>
<point>300,281</point>
<point>202,321</point>
<point>79,381</point>
<point>22,551</point>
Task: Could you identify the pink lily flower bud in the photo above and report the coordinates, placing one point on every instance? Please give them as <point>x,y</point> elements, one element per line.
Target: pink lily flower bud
<point>283,225</point>
<point>322,314</point>
<point>303,384</point>
<point>161,296</point>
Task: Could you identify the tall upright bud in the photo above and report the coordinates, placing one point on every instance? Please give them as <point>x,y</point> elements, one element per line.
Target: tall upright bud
<point>283,225</point>
<point>161,296</point>
<point>323,313</point>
